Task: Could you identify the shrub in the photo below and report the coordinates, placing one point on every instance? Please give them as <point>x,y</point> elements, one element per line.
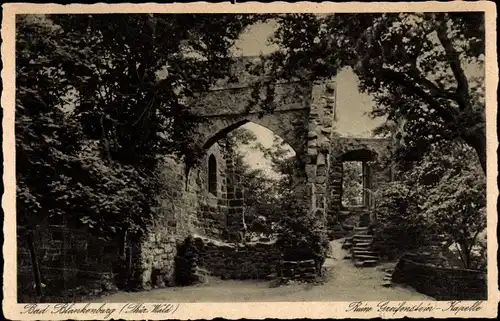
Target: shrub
<point>441,201</point>
<point>302,235</point>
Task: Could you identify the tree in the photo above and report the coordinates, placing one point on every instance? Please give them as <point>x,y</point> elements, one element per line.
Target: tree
<point>301,234</point>
<point>259,197</point>
<point>441,200</point>
<point>99,101</point>
<point>456,203</point>
<point>98,77</point>
<point>421,68</point>
<point>44,137</point>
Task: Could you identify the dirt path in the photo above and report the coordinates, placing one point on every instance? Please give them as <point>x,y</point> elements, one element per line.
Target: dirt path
<point>345,283</point>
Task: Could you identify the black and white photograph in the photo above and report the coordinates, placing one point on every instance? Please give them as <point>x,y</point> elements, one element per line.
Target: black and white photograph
<point>242,157</point>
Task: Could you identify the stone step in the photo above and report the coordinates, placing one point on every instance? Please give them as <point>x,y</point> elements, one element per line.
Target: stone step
<point>362,233</point>
<point>358,247</point>
<point>362,236</point>
<point>365,263</point>
<point>365,252</point>
<point>387,285</point>
<point>347,257</point>
<point>363,241</point>
<point>367,257</point>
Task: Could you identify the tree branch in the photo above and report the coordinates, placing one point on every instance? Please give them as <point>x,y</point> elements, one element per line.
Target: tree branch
<point>473,240</point>
<point>462,91</point>
<point>401,79</point>
<point>433,88</point>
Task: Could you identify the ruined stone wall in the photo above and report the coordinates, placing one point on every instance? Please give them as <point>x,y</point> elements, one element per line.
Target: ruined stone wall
<point>176,215</point>
<point>69,258</point>
<point>254,260</point>
<point>211,218</point>
<point>185,207</point>
<point>441,283</point>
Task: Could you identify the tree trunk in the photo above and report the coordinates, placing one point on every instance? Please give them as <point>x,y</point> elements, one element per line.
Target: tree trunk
<point>34,263</point>
<point>478,142</point>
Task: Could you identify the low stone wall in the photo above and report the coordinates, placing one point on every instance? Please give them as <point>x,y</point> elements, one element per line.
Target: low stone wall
<point>441,283</point>
<point>154,261</point>
<point>69,260</point>
<point>255,260</point>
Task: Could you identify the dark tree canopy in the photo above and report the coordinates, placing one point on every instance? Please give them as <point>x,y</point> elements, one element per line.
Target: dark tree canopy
<point>100,100</point>
<point>424,70</point>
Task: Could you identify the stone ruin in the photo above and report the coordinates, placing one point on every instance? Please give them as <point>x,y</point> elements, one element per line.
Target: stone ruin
<point>205,202</point>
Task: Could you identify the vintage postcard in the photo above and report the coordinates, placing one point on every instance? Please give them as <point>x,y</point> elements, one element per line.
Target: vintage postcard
<point>196,161</point>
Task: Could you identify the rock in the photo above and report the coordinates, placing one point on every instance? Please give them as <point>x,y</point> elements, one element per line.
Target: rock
<point>330,86</point>
<point>310,170</point>
<point>312,134</point>
<point>326,130</point>
<point>312,151</point>
<point>311,143</point>
<point>321,160</point>
<point>320,179</point>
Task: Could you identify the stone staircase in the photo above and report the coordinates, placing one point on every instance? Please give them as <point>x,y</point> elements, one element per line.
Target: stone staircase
<point>361,249</point>
<point>387,281</point>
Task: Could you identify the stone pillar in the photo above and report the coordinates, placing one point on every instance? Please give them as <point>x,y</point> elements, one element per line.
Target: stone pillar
<point>235,200</point>
<point>334,185</point>
<point>320,130</point>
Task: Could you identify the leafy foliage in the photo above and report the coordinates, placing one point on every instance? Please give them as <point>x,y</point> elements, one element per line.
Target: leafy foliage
<point>421,69</point>
<point>441,200</point>
<point>352,184</point>
<point>100,98</point>
<point>274,206</point>
<point>302,234</point>
<point>260,194</point>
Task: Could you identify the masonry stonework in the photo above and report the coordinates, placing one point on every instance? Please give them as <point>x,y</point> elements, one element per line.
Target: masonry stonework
<point>70,260</point>
<point>304,116</point>
<point>186,207</point>
<point>441,283</point>
<point>253,260</point>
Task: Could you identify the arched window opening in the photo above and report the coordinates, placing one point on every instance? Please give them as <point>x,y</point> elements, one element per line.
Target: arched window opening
<point>212,175</point>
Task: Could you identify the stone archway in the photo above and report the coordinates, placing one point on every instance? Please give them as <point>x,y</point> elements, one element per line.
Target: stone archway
<point>371,152</point>
<point>290,125</point>
<point>302,116</point>
<point>233,192</point>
